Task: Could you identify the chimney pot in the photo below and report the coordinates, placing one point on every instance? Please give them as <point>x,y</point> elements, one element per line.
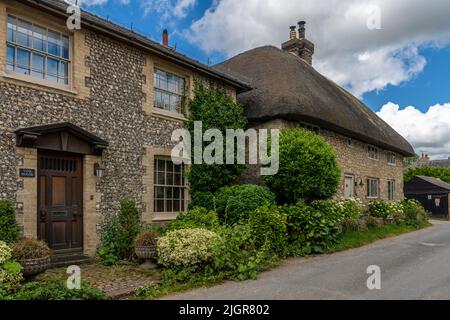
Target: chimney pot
<point>301,30</point>
<point>165,38</point>
<point>293,33</point>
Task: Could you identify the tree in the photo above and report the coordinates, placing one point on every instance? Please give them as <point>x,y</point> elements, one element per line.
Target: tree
<point>216,110</point>
<point>435,172</point>
<point>308,168</point>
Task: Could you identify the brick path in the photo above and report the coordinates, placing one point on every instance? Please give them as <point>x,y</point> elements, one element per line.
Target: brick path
<point>115,281</point>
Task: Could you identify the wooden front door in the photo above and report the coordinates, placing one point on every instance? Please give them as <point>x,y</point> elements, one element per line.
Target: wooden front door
<point>349,185</point>
<point>60,200</point>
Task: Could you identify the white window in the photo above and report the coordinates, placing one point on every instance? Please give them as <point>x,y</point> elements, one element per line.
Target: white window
<point>37,51</point>
<point>373,153</point>
<point>391,158</point>
<point>170,186</point>
<point>373,190</point>
<point>169,91</point>
<point>391,190</point>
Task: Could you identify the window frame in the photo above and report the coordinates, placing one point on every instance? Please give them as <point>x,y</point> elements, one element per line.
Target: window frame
<point>394,156</point>
<point>182,187</point>
<point>45,76</point>
<point>369,189</point>
<point>309,127</point>
<point>376,151</point>
<point>391,189</point>
<point>159,90</point>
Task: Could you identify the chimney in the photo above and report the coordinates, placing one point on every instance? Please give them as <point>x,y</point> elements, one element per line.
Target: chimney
<point>293,33</point>
<point>301,30</point>
<point>301,47</point>
<point>165,38</point>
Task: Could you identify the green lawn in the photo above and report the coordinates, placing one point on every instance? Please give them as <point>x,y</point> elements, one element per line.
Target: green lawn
<point>357,239</point>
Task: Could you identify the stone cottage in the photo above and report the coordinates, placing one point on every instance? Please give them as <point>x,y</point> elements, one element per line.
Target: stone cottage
<point>289,92</point>
<point>86,120</point>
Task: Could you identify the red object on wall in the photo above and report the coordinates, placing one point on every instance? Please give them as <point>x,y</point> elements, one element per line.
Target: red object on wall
<point>437,202</point>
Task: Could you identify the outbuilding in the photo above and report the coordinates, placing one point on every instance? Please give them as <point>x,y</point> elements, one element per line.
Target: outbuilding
<point>432,193</point>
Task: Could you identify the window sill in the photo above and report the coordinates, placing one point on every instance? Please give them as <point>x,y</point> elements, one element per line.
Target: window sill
<point>392,164</point>
<point>162,217</point>
<point>38,82</point>
<point>168,114</point>
<point>373,198</point>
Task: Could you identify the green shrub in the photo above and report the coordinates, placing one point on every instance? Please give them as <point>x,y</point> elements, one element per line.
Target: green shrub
<point>237,256</point>
<point>352,224</point>
<point>311,229</point>
<point>10,276</point>
<point>349,208</point>
<point>216,110</point>
<point>236,202</point>
<point>373,222</point>
<point>146,238</point>
<point>30,249</point>
<point>384,209</point>
<point>187,248</point>
<point>308,168</point>
<point>204,200</point>
<point>196,217</point>
<point>268,226</point>
<point>9,229</point>
<point>414,212</point>
<point>118,234</point>
<point>55,289</point>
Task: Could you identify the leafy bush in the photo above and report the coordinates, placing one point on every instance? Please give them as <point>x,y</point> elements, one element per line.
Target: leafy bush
<point>197,217</point>
<point>118,234</point>
<point>236,202</point>
<point>308,168</point>
<point>373,222</point>
<point>268,226</point>
<point>146,238</point>
<point>187,248</point>
<point>9,229</point>
<point>29,249</point>
<point>384,209</point>
<point>216,110</point>
<point>349,208</point>
<point>237,256</point>
<point>204,200</point>
<point>311,229</point>
<point>414,212</point>
<point>10,276</point>
<point>55,289</point>
<point>352,224</point>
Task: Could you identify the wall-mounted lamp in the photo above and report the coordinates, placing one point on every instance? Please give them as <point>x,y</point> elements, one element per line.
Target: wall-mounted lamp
<point>99,172</point>
<point>359,182</point>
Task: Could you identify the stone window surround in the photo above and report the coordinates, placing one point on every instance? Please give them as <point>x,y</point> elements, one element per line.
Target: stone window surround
<point>369,179</point>
<point>391,156</point>
<point>376,152</point>
<point>78,70</point>
<point>150,216</point>
<point>391,192</point>
<point>34,80</point>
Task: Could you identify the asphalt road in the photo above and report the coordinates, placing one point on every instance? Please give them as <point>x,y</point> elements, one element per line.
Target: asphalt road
<point>413,266</point>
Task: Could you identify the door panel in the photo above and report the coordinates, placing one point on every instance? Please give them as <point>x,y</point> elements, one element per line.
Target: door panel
<point>60,200</point>
<point>349,187</point>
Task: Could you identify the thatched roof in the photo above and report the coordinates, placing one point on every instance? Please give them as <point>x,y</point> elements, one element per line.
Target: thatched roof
<point>89,20</point>
<point>287,87</point>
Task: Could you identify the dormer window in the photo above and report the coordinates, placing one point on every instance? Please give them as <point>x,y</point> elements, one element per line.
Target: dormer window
<point>372,152</point>
<point>37,51</point>
<point>391,158</point>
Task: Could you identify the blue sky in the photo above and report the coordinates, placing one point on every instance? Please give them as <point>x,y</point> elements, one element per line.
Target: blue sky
<point>405,63</point>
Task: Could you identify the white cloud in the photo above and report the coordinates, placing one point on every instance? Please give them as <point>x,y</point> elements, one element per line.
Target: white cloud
<point>346,50</point>
<point>168,8</point>
<point>428,132</point>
